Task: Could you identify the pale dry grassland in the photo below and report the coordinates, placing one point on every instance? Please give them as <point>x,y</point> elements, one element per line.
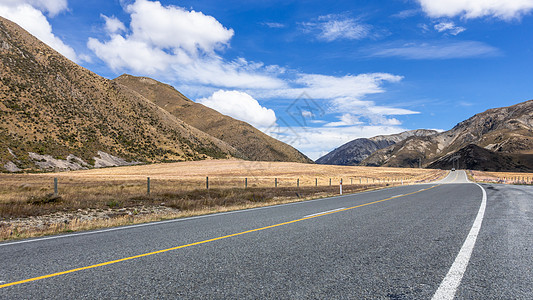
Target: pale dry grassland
<point>503,177</point>
<point>117,196</point>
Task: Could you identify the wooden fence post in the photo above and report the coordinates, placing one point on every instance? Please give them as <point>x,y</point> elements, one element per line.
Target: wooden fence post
<point>148,186</point>
<point>55,187</point>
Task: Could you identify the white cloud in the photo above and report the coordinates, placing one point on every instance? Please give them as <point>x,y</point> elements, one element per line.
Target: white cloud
<point>319,86</point>
<point>423,27</point>
<point>174,28</point>
<point>240,106</point>
<point>502,9</point>
<point>274,25</point>
<point>113,25</point>
<point>336,27</point>
<point>53,7</point>
<point>234,74</point>
<point>344,95</point>
<point>449,27</point>
<point>122,53</point>
<point>404,14</point>
<point>317,141</point>
<point>390,111</point>
<point>362,112</point>
<point>346,120</point>
<point>35,22</point>
<point>424,50</point>
<point>328,87</point>
<point>151,47</point>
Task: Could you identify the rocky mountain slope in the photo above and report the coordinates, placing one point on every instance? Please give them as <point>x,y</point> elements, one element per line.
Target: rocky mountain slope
<point>354,152</point>
<point>473,157</point>
<point>52,110</point>
<point>251,143</point>
<point>506,133</point>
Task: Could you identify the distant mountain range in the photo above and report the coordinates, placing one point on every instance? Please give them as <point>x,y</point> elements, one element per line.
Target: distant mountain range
<point>499,139</point>
<point>356,151</point>
<point>56,115</point>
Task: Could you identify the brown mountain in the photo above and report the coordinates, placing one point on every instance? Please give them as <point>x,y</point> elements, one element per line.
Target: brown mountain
<point>56,114</point>
<point>473,157</point>
<point>251,143</point>
<point>505,132</point>
<point>354,152</point>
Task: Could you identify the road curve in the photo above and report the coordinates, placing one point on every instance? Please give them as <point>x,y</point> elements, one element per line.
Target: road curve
<point>397,243</point>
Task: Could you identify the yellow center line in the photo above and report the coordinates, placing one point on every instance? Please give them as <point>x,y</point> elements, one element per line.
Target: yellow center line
<point>201,242</point>
<point>456,177</point>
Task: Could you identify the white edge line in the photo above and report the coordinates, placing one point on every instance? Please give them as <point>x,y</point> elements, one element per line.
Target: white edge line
<point>449,285</point>
<point>184,219</point>
<point>324,212</point>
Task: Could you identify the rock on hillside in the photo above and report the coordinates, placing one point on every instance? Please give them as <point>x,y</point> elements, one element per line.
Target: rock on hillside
<point>354,152</point>
<point>251,143</point>
<point>51,106</point>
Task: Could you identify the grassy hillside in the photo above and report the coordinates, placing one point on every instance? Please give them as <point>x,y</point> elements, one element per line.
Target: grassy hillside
<point>251,143</point>
<point>51,106</point>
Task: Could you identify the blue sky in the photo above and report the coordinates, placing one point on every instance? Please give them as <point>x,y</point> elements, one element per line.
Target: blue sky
<point>315,74</point>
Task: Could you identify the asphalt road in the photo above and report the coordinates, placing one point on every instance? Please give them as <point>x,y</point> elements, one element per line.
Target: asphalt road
<point>412,242</point>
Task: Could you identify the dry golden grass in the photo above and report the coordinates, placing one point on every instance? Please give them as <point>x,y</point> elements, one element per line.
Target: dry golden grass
<point>503,177</point>
<point>263,172</point>
<point>179,186</point>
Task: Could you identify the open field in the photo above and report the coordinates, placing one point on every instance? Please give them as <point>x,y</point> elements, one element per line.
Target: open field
<point>503,177</point>
<point>117,196</point>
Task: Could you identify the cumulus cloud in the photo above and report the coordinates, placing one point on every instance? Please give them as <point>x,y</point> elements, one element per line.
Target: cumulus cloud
<point>113,25</point>
<point>506,10</point>
<point>123,53</point>
<point>449,27</point>
<point>240,106</point>
<point>26,14</point>
<point>437,50</point>
<point>181,44</point>
<point>336,27</point>
<point>174,28</point>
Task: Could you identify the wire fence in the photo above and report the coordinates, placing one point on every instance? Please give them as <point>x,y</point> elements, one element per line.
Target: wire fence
<point>152,185</point>
<point>509,179</point>
<point>33,195</point>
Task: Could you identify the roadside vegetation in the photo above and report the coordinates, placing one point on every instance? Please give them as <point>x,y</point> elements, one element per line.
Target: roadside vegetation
<point>502,177</point>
